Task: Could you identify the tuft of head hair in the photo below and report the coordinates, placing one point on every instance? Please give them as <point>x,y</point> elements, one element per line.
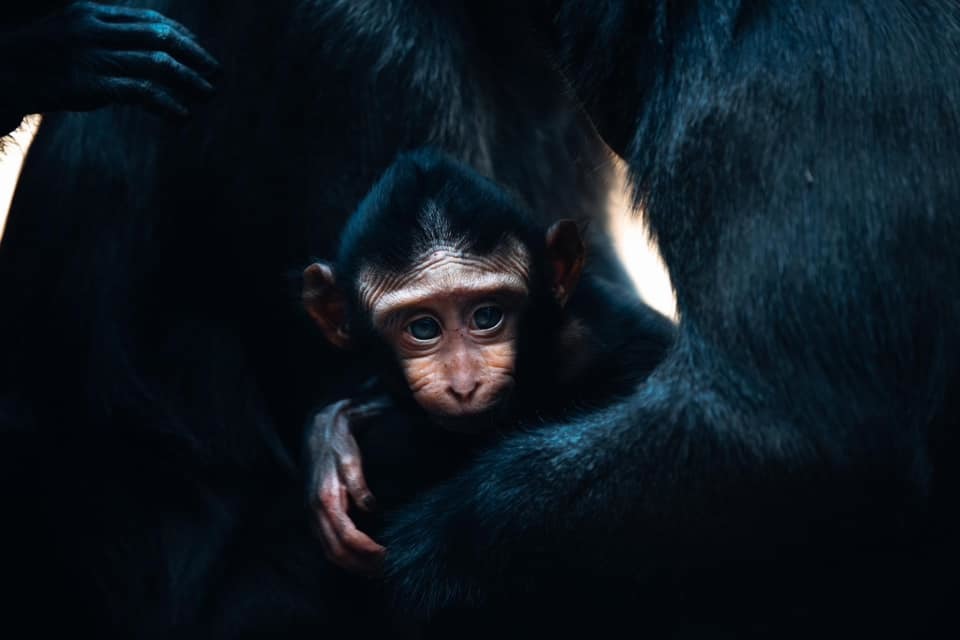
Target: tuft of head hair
<point>427,201</point>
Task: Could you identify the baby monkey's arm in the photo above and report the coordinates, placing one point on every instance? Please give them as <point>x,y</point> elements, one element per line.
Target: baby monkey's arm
<point>335,477</point>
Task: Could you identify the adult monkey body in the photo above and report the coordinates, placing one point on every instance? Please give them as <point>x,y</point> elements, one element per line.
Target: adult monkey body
<point>177,422</point>
<point>793,462</point>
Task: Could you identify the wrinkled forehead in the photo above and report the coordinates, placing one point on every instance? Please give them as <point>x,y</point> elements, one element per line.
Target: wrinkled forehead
<point>445,271</point>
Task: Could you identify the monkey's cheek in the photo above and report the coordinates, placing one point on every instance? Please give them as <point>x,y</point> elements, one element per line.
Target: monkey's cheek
<point>493,394</point>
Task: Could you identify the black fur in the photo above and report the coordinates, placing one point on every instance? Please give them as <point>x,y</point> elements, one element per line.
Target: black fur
<point>791,467</point>
<point>389,221</point>
<point>19,12</point>
<point>77,56</point>
<point>156,372</point>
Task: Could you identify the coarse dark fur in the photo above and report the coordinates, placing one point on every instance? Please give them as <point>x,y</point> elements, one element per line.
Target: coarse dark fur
<point>12,17</point>
<point>18,12</point>
<point>156,372</point>
<point>791,468</point>
<point>78,56</point>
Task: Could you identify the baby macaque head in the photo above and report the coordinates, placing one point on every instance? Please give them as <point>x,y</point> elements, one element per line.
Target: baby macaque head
<point>445,268</point>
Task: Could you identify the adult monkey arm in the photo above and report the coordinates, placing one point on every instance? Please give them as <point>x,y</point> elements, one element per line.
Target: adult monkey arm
<point>590,498</point>
<point>87,55</point>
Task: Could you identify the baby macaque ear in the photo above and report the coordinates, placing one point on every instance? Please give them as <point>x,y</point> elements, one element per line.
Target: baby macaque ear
<point>326,303</point>
<point>567,255</point>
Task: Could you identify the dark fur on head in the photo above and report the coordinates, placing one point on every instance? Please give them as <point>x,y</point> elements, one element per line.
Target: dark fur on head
<point>427,200</point>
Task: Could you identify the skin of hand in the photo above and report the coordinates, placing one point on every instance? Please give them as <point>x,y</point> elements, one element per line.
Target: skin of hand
<point>335,478</point>
<point>89,55</point>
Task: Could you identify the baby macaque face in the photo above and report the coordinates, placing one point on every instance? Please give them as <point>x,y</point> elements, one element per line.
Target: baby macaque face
<point>452,318</point>
<point>453,323</point>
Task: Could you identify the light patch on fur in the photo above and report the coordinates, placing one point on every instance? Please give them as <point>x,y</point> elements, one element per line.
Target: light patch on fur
<point>435,231</point>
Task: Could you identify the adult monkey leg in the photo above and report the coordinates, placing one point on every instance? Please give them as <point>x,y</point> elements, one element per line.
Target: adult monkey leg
<point>803,427</point>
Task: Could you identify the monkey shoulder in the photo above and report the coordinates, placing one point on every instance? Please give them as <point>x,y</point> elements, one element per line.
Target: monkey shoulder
<point>608,341</point>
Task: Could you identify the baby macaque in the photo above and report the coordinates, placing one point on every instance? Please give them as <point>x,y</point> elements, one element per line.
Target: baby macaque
<point>471,315</point>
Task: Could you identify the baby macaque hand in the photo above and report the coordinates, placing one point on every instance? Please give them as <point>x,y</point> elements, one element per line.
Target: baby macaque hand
<point>335,477</point>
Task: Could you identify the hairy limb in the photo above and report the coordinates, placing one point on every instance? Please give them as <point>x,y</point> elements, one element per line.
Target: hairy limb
<point>91,55</point>
<point>335,479</point>
<point>617,495</point>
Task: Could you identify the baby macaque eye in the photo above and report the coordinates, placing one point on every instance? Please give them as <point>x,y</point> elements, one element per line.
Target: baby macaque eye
<point>425,328</point>
<point>487,317</point>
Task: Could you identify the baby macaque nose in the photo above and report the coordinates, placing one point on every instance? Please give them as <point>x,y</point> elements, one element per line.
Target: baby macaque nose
<point>463,390</point>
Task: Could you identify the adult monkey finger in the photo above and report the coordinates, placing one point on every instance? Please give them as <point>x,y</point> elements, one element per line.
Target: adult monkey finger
<point>142,92</point>
<point>158,37</point>
<point>164,69</point>
<point>107,13</point>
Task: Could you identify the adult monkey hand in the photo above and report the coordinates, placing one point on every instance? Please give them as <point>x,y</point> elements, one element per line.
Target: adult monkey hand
<point>335,478</point>
<point>89,55</point>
